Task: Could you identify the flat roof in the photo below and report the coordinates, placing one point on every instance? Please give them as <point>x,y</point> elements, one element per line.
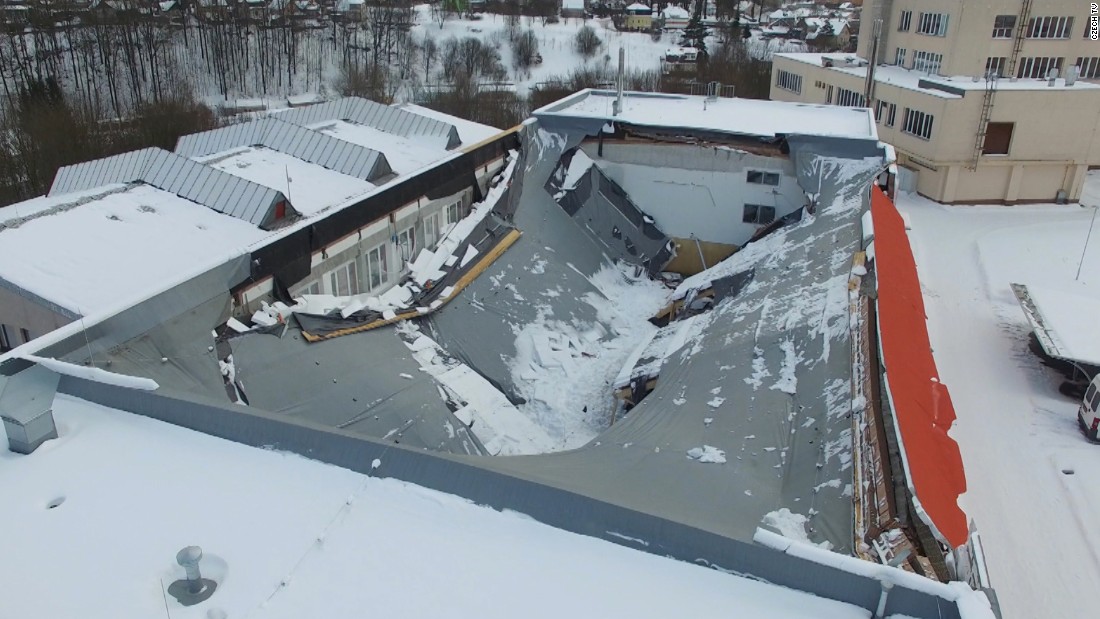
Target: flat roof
<point>730,115</point>
<point>285,536</point>
<point>318,188</point>
<point>911,79</point>
<point>109,251</point>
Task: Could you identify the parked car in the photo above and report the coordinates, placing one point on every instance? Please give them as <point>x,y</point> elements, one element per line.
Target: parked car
<point>1088,415</point>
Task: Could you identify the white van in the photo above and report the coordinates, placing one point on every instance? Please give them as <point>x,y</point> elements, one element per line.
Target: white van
<point>1089,413</point>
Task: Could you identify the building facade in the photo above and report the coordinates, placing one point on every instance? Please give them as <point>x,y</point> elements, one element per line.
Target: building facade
<point>966,97</point>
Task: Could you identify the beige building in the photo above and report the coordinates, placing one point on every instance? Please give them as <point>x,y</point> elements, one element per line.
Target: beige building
<point>637,16</point>
<point>960,137</point>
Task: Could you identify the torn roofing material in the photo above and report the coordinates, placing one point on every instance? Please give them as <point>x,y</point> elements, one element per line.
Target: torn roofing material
<point>921,403</point>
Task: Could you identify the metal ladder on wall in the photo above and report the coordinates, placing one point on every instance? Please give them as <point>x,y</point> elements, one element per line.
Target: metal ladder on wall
<point>991,82</point>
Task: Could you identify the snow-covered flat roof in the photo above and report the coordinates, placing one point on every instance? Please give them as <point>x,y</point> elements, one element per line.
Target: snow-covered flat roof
<point>912,79</point>
<point>405,154</point>
<point>469,131</point>
<point>101,511</point>
<point>116,247</point>
<point>740,116</point>
<point>318,188</point>
<point>1064,320</point>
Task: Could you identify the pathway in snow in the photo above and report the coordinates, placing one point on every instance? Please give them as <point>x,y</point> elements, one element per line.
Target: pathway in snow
<point>1017,434</point>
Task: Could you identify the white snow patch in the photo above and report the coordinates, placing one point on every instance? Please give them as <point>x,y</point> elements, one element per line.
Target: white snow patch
<point>707,454</point>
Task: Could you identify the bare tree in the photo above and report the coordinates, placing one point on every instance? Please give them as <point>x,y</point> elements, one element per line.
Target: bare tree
<point>429,52</point>
<point>587,42</point>
<point>525,51</point>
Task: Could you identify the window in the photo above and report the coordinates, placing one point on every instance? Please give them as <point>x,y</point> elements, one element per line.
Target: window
<point>314,288</point>
<point>829,95</point>
<point>934,24</point>
<point>26,335</point>
<point>758,214</point>
<point>849,98</point>
<point>905,21</point>
<point>899,56</point>
<point>885,112</point>
<point>995,66</point>
<point>1090,392</point>
<point>927,62</point>
<point>789,81</point>
<point>1038,66</point>
<point>452,213</point>
<point>1003,25</point>
<point>918,124</point>
<point>431,227</point>
<point>345,279</point>
<point>6,342</point>
<point>406,244</point>
<point>377,268</point>
<point>998,137</point>
<point>757,177</point>
<point>1089,67</point>
<point>1049,27</point>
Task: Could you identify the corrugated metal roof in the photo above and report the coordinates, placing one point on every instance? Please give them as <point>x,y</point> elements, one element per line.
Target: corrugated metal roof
<point>294,140</point>
<point>220,191</point>
<point>385,118</point>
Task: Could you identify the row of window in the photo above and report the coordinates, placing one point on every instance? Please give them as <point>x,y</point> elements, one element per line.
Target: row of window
<point>915,122</point>
<point>1039,66</point>
<point>1037,27</point>
<point>932,24</point>
<point>789,81</point>
<point>347,279</point>
<point>758,214</point>
<point>925,62</point>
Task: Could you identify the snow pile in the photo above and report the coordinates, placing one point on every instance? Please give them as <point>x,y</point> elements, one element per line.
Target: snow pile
<point>486,412</point>
<point>707,455</point>
<point>579,165</point>
<point>588,357</point>
<point>792,525</point>
<point>94,374</point>
<point>788,381</point>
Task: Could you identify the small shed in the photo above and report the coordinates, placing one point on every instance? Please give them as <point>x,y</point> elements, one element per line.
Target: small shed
<point>26,407</point>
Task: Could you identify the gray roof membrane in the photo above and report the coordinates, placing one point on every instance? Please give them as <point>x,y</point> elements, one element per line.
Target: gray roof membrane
<point>764,377</point>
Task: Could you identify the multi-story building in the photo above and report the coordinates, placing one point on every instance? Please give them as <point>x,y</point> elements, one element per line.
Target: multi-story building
<point>992,102</point>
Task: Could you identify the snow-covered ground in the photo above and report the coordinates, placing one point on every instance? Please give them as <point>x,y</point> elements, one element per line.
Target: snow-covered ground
<point>1031,476</point>
<point>93,521</point>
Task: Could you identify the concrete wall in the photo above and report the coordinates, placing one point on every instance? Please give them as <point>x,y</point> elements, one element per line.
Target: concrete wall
<point>19,311</point>
<point>699,190</point>
<point>553,506</point>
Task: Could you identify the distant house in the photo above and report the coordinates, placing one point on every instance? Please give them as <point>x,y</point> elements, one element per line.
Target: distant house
<point>676,17</point>
<point>815,32</point>
<point>350,9</point>
<point>572,8</point>
<point>638,16</point>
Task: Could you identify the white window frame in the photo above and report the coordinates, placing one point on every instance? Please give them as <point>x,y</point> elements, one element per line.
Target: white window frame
<point>927,62</point>
<point>452,213</point>
<point>996,64</point>
<point>430,225</point>
<point>899,56</point>
<point>406,244</point>
<point>906,21</point>
<point>6,341</point>
<point>1056,27</point>
<point>350,272</point>
<point>933,24</point>
<point>849,98</point>
<point>885,112</point>
<point>788,81</point>
<point>378,268</point>
<point>1089,67</point>
<point>918,124</point>
<point>762,177</point>
<point>1003,32</point>
<point>1037,67</point>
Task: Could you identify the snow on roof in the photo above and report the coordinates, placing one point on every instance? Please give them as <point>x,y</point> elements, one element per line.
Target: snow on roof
<point>1064,320</point>
<point>638,6</point>
<point>911,79</point>
<point>318,188</point>
<point>405,154</point>
<point>469,131</point>
<point>741,116</point>
<point>117,246</point>
<point>572,4</point>
<point>289,537</point>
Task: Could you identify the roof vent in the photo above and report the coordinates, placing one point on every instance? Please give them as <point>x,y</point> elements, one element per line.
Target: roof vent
<point>1071,75</point>
<point>1052,76</point>
<point>194,589</point>
<point>26,401</point>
